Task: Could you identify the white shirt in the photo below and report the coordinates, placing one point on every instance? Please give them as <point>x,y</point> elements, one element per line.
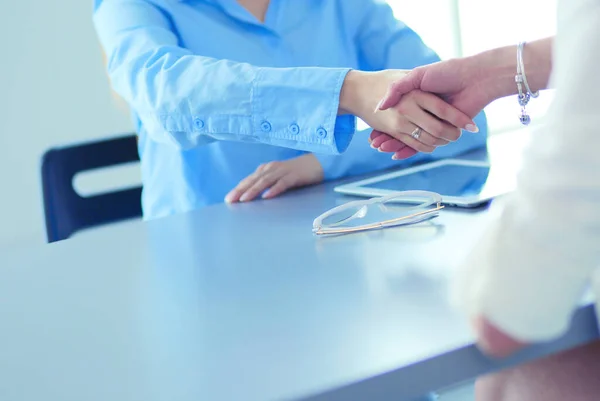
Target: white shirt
<point>531,269</point>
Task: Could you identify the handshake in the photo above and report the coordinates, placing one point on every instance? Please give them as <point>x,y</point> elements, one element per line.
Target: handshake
<point>409,111</point>
<point>418,110</point>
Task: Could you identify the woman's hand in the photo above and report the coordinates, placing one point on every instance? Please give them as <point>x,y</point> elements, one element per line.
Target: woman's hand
<point>469,84</point>
<point>277,177</point>
<point>457,81</point>
<point>439,123</point>
<point>453,80</point>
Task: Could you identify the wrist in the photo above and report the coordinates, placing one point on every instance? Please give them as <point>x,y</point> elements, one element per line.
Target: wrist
<point>362,91</point>
<point>312,167</point>
<point>496,68</point>
<point>349,95</point>
<point>496,71</point>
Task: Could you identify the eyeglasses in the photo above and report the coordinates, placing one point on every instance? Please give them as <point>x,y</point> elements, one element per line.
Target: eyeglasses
<point>408,207</point>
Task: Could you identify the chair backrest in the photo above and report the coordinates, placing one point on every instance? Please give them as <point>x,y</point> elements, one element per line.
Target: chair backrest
<point>65,210</point>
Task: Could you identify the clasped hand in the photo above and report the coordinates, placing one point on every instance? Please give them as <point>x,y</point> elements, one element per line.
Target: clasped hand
<point>438,122</point>
<point>417,122</point>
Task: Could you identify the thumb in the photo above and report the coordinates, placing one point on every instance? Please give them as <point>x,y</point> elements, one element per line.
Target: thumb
<point>404,85</point>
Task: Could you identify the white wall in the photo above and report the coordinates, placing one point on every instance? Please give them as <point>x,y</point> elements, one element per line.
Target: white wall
<point>52,91</point>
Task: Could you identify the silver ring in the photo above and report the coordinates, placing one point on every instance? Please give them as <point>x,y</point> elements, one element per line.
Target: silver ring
<point>416,133</point>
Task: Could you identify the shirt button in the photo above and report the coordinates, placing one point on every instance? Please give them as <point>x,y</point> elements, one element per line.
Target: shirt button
<point>198,123</point>
<point>265,126</point>
<point>294,129</point>
<point>321,132</point>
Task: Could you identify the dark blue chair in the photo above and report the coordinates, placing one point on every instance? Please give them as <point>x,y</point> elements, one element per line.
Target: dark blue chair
<point>65,210</point>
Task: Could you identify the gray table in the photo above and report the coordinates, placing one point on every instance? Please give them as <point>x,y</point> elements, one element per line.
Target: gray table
<point>244,303</point>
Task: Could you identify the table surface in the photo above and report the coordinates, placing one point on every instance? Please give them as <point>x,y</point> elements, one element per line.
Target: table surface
<point>242,302</point>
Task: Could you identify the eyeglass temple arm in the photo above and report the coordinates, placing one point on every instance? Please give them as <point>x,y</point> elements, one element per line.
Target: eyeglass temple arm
<point>380,224</point>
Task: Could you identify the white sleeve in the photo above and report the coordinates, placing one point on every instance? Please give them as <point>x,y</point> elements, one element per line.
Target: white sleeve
<point>529,271</point>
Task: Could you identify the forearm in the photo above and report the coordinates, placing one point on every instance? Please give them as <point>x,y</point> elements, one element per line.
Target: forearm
<point>361,91</point>
<point>497,68</point>
<point>198,100</point>
<point>353,99</point>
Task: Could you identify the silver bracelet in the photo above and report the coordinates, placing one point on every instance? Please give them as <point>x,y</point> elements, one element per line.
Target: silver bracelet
<point>521,80</point>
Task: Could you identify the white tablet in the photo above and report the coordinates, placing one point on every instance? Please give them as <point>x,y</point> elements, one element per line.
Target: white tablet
<point>462,183</point>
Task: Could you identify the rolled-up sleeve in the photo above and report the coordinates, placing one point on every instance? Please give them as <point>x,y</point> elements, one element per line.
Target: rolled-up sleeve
<point>189,100</point>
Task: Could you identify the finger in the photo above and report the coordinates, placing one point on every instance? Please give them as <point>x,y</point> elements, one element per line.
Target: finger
<point>493,341</point>
<point>404,153</point>
<point>445,112</point>
<point>417,145</point>
<point>263,183</point>
<point>404,128</point>
<point>235,194</point>
<point>440,132</point>
<point>264,167</point>
<point>375,134</point>
<point>410,82</point>
<point>376,143</point>
<point>425,142</point>
<point>278,188</point>
<point>382,139</point>
<point>392,146</point>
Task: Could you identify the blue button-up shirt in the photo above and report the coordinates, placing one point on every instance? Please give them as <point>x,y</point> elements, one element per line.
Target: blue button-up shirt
<point>215,92</point>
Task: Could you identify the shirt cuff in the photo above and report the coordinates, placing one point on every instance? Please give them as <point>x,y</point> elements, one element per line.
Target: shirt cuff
<point>297,108</point>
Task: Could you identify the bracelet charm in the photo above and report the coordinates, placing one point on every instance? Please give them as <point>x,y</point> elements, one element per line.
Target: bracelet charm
<point>525,93</point>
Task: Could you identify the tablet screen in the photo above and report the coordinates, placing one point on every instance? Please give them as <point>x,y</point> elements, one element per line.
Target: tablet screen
<point>446,180</point>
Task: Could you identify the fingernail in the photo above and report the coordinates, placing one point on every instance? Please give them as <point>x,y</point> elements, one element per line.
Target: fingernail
<point>265,194</point>
<point>243,198</point>
<point>378,106</point>
<point>472,128</point>
<point>379,150</point>
<point>373,146</point>
<point>394,157</point>
<point>228,199</point>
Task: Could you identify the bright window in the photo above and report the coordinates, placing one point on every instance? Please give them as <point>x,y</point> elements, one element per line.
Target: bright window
<point>462,27</point>
<point>438,28</point>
